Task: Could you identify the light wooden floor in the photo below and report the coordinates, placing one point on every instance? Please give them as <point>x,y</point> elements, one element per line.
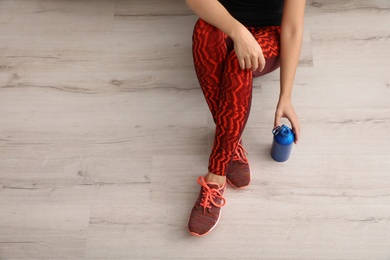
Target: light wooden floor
<point>104,130</point>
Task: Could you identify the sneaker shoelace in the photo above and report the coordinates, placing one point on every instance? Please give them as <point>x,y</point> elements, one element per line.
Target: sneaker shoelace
<point>240,154</point>
<point>209,195</point>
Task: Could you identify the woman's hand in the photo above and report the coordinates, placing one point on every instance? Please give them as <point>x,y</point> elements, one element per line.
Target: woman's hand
<point>249,53</point>
<point>248,50</point>
<point>285,109</point>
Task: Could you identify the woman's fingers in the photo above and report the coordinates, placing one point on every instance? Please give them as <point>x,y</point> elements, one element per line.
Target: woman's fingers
<point>286,110</point>
<point>241,61</point>
<point>255,63</point>
<point>249,57</point>
<point>277,120</point>
<point>261,62</point>
<point>252,62</point>
<point>248,63</point>
<point>296,129</point>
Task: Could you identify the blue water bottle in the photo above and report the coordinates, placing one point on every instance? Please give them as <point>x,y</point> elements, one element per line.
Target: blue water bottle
<point>282,143</point>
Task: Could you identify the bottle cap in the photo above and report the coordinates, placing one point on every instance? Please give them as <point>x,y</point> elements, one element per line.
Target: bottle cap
<point>283,135</point>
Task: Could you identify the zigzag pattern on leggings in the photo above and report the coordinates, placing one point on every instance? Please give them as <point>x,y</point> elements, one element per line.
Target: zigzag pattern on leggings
<point>226,87</point>
<point>269,40</point>
<point>233,113</point>
<point>209,52</point>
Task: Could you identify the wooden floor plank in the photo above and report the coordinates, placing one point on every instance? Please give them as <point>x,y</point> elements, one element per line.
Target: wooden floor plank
<point>104,130</point>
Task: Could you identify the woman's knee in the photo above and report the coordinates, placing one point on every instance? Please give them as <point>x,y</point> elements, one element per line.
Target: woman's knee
<point>203,28</point>
<point>271,64</point>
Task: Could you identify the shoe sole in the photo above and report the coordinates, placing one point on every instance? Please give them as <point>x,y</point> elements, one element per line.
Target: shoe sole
<point>198,235</point>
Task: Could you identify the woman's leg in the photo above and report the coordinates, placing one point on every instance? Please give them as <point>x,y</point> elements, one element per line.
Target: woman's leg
<point>232,114</point>
<point>235,99</point>
<point>209,53</point>
<point>210,49</point>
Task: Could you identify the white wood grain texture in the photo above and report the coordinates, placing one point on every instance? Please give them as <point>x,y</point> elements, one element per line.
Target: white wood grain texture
<point>104,130</point>
<point>43,229</point>
<point>151,8</point>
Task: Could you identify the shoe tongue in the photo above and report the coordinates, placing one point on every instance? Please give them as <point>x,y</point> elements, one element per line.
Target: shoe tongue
<point>213,185</point>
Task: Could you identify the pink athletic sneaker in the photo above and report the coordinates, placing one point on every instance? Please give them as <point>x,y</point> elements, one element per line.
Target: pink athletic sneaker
<point>239,173</point>
<point>207,209</point>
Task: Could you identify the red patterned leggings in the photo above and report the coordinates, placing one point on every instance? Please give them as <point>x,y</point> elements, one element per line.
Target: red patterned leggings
<point>226,87</point>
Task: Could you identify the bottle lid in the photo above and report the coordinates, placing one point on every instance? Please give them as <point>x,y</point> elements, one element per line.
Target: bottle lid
<point>283,135</point>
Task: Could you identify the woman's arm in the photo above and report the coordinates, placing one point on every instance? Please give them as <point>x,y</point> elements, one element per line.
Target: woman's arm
<point>249,53</point>
<point>291,41</point>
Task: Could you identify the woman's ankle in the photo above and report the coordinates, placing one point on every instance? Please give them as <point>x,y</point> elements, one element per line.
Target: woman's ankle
<point>219,179</point>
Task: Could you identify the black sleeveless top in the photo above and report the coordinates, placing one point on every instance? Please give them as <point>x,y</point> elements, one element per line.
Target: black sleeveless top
<point>255,13</point>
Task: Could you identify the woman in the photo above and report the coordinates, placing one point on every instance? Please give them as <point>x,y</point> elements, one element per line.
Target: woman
<point>234,41</point>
